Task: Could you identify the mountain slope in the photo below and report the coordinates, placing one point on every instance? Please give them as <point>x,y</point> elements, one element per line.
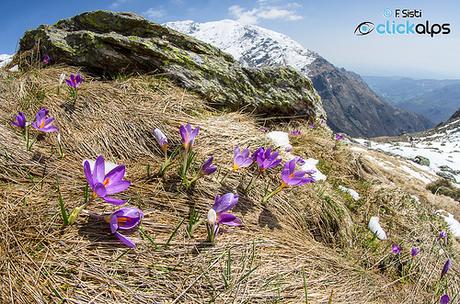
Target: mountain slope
<point>432,98</point>
<point>351,105</point>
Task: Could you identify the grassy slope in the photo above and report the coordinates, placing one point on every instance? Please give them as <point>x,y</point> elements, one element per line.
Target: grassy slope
<point>313,232</point>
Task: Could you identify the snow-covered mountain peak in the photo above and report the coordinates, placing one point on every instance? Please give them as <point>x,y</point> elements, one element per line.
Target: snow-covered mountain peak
<point>249,44</point>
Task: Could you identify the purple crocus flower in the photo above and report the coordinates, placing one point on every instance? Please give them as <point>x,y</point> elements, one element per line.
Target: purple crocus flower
<point>124,219</point>
<point>295,132</point>
<point>446,268</point>
<point>105,183</point>
<point>444,299</point>
<point>162,140</point>
<point>188,135</point>
<point>263,129</point>
<point>19,120</point>
<point>338,137</point>
<point>241,158</point>
<point>442,235</point>
<point>218,214</point>
<point>414,251</point>
<point>395,249</point>
<point>208,168</point>
<point>266,158</point>
<point>311,125</point>
<point>74,81</point>
<point>46,59</point>
<point>44,123</point>
<point>291,177</point>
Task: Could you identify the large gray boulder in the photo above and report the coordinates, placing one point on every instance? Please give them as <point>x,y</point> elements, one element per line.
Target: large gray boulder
<point>108,43</point>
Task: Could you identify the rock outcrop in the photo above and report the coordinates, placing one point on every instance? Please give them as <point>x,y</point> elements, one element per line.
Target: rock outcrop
<point>351,106</point>
<point>108,43</point>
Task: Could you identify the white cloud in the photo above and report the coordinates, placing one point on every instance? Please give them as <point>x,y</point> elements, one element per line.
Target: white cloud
<point>153,13</point>
<point>265,10</point>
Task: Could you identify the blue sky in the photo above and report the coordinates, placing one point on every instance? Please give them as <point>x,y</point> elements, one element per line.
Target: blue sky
<point>324,26</point>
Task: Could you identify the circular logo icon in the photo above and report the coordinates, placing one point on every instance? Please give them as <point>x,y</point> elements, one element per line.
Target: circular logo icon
<point>387,13</point>
<point>364,28</point>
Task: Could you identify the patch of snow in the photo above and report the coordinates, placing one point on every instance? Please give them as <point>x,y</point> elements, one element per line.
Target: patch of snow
<point>5,59</point>
<point>355,195</point>
<point>310,164</point>
<point>452,223</point>
<point>441,148</point>
<point>280,139</point>
<point>375,227</point>
<point>14,69</point>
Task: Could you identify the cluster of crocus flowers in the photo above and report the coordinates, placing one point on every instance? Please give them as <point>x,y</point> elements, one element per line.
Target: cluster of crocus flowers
<point>43,123</point>
<point>105,183</point>
<point>291,177</point>
<point>241,158</point>
<point>106,179</point>
<point>218,214</point>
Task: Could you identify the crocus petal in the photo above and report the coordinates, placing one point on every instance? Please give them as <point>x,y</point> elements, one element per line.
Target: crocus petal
<point>116,174</point>
<point>100,190</point>
<point>126,241</point>
<point>113,223</point>
<point>88,175</point>
<point>113,201</point>
<point>99,169</point>
<point>49,129</point>
<point>229,219</point>
<point>117,186</point>
<point>444,299</point>
<point>225,202</point>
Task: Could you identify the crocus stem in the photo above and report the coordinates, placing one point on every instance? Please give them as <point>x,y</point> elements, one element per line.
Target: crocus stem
<point>253,178</point>
<point>27,137</point>
<point>225,176</point>
<point>211,234</point>
<point>276,191</point>
<point>193,180</point>
<point>184,168</point>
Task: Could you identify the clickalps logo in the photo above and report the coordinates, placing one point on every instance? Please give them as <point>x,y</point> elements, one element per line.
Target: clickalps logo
<point>397,25</point>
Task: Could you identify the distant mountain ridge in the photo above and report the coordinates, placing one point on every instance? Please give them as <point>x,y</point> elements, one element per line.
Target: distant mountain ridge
<point>432,98</point>
<point>352,107</point>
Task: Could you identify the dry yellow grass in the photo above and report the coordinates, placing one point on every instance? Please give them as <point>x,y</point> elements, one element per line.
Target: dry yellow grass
<point>313,232</point>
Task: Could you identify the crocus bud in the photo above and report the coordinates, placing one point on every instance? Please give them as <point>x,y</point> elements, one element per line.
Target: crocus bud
<point>212,217</point>
<point>161,139</point>
<point>62,77</point>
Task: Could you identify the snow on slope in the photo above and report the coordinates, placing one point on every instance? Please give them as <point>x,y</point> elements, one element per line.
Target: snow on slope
<point>5,59</point>
<point>441,146</point>
<point>249,44</point>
